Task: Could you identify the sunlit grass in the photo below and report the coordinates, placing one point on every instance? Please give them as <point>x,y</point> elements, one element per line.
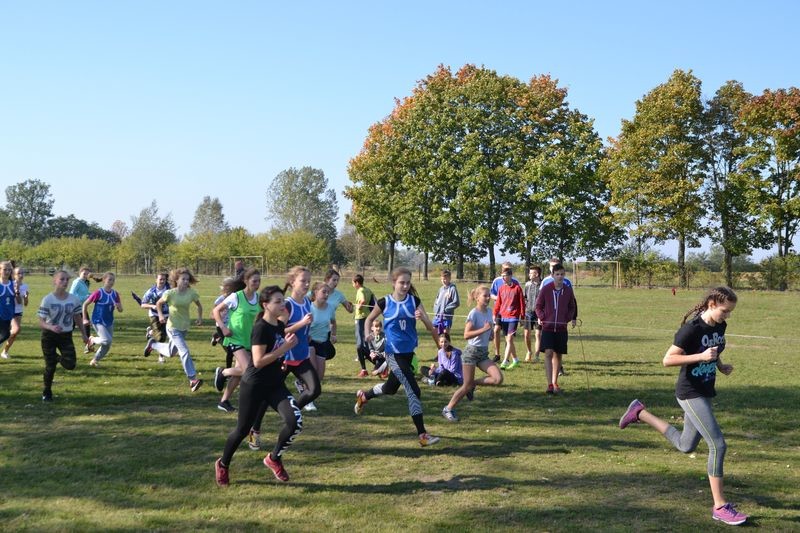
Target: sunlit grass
<point>129,447</point>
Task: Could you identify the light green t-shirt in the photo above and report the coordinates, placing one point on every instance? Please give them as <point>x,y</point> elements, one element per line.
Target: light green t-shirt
<point>178,303</point>
<point>364,296</point>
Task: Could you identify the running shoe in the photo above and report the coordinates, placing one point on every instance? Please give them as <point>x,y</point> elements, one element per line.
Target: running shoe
<point>631,415</point>
<point>471,393</point>
<point>299,385</point>
<point>561,371</point>
<point>536,358</point>
<point>729,515</point>
<point>426,439</point>
<point>254,440</point>
<point>514,364</point>
<point>504,365</point>
<point>47,396</point>
<point>528,357</point>
<point>496,358</point>
<point>310,407</point>
<point>215,339</point>
<point>89,346</point>
<point>94,362</point>
<point>221,473</point>
<point>194,384</point>
<point>549,389</point>
<point>361,401</point>
<point>4,355</point>
<point>277,468</point>
<point>557,391</point>
<point>219,379</point>
<point>148,348</point>
<point>161,359</point>
<point>148,332</point>
<point>226,406</point>
<point>449,414</point>
<point>363,373</point>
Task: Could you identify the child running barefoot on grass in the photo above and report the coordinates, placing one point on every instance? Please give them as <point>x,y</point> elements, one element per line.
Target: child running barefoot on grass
<point>178,300</point>
<point>696,350</point>
<point>478,334</point>
<point>105,300</point>
<point>263,383</point>
<point>400,310</point>
<point>59,313</point>
<point>20,302</point>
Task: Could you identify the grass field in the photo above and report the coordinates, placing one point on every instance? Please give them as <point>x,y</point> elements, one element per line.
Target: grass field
<point>129,447</point>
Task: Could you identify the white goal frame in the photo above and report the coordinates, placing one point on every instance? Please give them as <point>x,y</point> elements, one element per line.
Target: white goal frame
<point>616,282</point>
<point>244,258</point>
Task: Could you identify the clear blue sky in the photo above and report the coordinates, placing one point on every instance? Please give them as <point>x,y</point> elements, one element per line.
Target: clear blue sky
<point>115,104</point>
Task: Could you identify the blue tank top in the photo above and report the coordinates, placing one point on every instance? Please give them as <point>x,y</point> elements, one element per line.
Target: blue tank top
<point>103,311</point>
<point>296,313</point>
<point>400,324</point>
<point>8,300</point>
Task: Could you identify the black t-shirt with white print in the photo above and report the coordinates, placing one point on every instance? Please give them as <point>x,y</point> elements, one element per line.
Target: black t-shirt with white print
<point>265,334</point>
<point>698,379</point>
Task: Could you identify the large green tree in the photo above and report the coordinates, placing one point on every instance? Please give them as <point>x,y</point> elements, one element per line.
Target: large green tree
<point>208,218</point>
<point>729,186</point>
<point>71,226</point>
<point>29,205</point>
<point>151,236</point>
<point>656,166</point>
<point>772,122</point>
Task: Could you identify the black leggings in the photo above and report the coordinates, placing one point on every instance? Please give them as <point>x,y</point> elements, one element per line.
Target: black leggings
<point>52,344</point>
<point>305,373</point>
<point>251,400</point>
<point>5,330</point>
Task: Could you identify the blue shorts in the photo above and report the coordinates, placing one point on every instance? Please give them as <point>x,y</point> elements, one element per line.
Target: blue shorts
<point>509,328</point>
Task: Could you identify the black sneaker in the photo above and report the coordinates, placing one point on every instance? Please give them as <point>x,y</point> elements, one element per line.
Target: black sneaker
<point>226,406</point>
<point>219,379</point>
<point>496,358</point>
<point>47,396</point>
<point>195,384</point>
<point>148,348</point>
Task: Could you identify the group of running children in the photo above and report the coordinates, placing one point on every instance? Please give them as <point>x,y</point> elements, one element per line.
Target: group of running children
<point>272,332</point>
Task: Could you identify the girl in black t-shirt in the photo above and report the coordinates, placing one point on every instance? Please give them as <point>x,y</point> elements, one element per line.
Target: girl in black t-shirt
<point>263,381</point>
<point>696,350</point>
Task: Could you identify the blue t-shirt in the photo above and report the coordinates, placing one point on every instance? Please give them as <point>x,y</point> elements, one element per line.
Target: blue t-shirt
<point>400,323</point>
<point>154,294</point>
<point>318,332</point>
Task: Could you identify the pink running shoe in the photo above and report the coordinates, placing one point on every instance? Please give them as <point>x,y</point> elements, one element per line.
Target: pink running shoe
<point>221,473</point>
<point>631,415</point>
<point>277,468</point>
<point>729,515</point>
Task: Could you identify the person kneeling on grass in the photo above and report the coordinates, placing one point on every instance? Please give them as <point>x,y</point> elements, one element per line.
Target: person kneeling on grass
<point>447,371</point>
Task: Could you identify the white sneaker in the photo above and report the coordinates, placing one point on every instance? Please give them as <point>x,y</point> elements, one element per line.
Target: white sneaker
<point>161,359</point>
<point>4,355</point>
<point>310,407</point>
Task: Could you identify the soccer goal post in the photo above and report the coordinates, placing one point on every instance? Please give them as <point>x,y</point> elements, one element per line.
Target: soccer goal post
<point>248,260</point>
<point>597,274</point>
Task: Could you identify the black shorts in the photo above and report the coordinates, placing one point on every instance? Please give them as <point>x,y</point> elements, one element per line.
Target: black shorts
<point>509,328</point>
<point>554,340</point>
<point>324,349</point>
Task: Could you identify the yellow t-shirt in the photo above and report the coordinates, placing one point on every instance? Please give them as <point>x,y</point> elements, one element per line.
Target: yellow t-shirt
<point>178,303</point>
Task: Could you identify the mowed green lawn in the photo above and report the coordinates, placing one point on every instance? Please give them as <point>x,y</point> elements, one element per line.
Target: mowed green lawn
<point>128,446</point>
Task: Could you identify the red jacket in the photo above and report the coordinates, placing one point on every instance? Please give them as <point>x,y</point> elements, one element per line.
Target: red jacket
<point>556,308</point>
<point>510,303</point>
